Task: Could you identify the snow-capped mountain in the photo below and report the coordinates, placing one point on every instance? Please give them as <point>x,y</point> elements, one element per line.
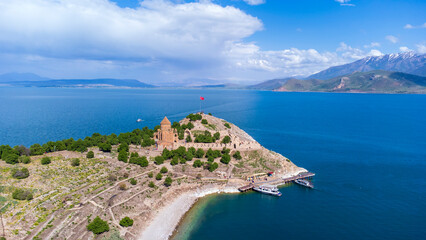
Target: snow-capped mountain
<point>407,62</point>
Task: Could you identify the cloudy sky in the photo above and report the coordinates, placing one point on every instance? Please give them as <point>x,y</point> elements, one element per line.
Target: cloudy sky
<point>164,41</point>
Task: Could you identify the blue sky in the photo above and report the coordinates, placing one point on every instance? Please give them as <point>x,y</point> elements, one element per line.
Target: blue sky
<point>163,41</point>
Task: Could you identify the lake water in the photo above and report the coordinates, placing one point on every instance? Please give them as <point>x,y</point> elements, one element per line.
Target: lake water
<point>368,151</point>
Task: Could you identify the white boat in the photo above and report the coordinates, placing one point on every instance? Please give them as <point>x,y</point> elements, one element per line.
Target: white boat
<point>139,120</point>
<point>268,189</point>
<point>304,183</point>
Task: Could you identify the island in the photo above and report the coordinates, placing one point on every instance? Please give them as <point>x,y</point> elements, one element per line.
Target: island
<point>137,185</point>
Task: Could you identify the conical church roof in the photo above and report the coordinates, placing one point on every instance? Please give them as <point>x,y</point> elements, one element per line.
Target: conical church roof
<point>165,121</point>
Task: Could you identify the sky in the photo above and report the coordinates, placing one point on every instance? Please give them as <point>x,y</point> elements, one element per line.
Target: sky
<point>219,41</point>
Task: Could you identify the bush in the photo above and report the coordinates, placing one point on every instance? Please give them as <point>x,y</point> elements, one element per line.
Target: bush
<point>204,121</point>
<point>164,170</point>
<point>2,238</point>
<point>194,117</point>
<point>123,147</point>
<point>133,181</point>
<point>11,158</point>
<point>225,158</point>
<point>36,149</point>
<point>150,174</point>
<point>90,154</point>
<point>225,150</point>
<point>205,137</point>
<point>168,181</point>
<point>20,173</point>
<point>175,161</point>
<point>213,166</point>
<point>141,161</point>
<point>98,226</point>
<point>167,154</point>
<point>227,125</point>
<point>122,186</point>
<point>112,178</point>
<point>123,156</point>
<point>151,184</point>
<point>24,159</point>
<point>210,159</point>
<point>105,147</point>
<point>190,126</point>
<point>21,194</point>
<point>188,138</point>
<point>200,153</point>
<point>159,176</point>
<point>126,222</point>
<point>159,160</point>
<point>226,140</point>
<point>197,163</point>
<point>237,155</point>
<point>45,161</point>
<point>75,162</point>
<point>216,136</point>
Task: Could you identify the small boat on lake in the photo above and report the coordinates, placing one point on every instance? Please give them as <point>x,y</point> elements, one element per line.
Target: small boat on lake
<point>268,189</point>
<point>304,183</point>
<point>139,120</point>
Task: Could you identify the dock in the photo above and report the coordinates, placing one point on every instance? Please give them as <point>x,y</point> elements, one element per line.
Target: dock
<point>280,181</point>
<point>246,188</point>
<point>299,176</point>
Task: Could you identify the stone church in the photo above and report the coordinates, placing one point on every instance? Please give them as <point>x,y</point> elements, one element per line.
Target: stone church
<point>166,136</point>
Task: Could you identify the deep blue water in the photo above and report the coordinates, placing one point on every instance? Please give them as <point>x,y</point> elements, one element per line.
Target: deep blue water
<point>368,151</point>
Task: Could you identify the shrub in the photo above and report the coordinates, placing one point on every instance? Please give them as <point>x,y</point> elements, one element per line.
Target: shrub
<point>227,125</point>
<point>175,161</point>
<point>225,150</point>
<point>205,137</point>
<point>210,159</point>
<point>2,238</point>
<point>159,160</point>
<point>45,160</point>
<point>90,154</point>
<point>210,114</point>
<point>24,159</point>
<point>167,154</point>
<point>123,147</point>
<point>225,158</point>
<point>20,173</point>
<point>122,186</point>
<point>122,156</point>
<point>197,163</point>
<point>75,162</point>
<point>168,181</point>
<point>237,155</point>
<point>164,170</point>
<point>133,181</point>
<point>36,149</point>
<point>151,184</point>
<point>159,176</point>
<point>112,178</point>
<point>126,222</point>
<point>194,117</point>
<point>226,140</point>
<point>189,156</point>
<point>213,166</point>
<point>204,121</point>
<point>21,194</point>
<point>11,158</point>
<point>200,153</point>
<point>190,126</point>
<point>150,174</point>
<point>98,226</point>
<point>188,138</point>
<point>216,136</point>
<point>141,161</point>
<point>105,147</point>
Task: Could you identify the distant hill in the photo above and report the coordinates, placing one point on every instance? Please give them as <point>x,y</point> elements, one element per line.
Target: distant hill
<point>408,62</point>
<point>269,85</point>
<point>377,81</point>
<point>32,80</point>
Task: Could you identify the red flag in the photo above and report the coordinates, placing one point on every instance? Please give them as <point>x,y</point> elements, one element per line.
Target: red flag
<point>201,98</point>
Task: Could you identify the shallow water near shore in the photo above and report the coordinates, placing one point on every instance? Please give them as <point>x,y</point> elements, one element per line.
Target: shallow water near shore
<point>368,151</point>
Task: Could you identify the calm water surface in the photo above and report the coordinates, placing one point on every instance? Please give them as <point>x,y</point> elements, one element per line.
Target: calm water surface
<point>368,151</point>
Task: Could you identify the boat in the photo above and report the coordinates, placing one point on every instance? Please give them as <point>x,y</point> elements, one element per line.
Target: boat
<point>268,189</point>
<point>139,120</point>
<point>304,183</point>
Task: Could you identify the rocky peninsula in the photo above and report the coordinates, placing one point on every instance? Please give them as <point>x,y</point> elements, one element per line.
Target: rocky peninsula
<point>135,186</point>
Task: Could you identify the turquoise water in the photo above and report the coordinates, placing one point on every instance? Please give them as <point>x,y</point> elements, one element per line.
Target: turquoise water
<point>368,151</point>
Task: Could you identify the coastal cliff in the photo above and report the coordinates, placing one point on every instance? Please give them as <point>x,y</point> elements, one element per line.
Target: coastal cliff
<point>149,184</point>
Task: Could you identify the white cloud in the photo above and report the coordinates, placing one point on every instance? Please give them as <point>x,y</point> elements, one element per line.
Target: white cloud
<point>421,48</point>
<point>404,49</point>
<point>409,26</point>
<point>392,39</point>
<point>345,3</point>
<point>372,45</point>
<point>374,52</point>
<point>255,2</point>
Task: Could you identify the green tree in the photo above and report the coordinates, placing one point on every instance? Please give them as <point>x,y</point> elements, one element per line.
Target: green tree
<point>24,159</point>
<point>126,222</point>
<point>227,125</point>
<point>75,162</point>
<point>21,194</point>
<point>216,136</point>
<point>190,126</point>
<point>150,174</point>
<point>105,147</point>
<point>189,156</point>
<point>204,121</point>
<point>36,149</point>
<point>188,138</point>
<point>11,158</point>
<point>159,160</point>
<point>199,153</point>
<point>151,184</point>
<point>175,161</point>
<point>123,156</point>
<point>20,173</point>
<point>226,140</point>
<point>197,163</point>
<point>167,154</point>
<point>164,170</point>
<point>225,150</point>
<point>225,159</point>
<point>98,226</point>
<point>159,176</point>
<point>168,181</point>
<point>237,155</point>
<point>213,166</point>
<point>123,146</point>
<point>45,161</point>
<point>133,181</point>
<point>90,154</point>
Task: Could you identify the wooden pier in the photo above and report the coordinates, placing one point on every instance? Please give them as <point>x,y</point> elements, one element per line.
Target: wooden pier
<point>299,176</point>
<point>280,181</point>
<point>246,188</point>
